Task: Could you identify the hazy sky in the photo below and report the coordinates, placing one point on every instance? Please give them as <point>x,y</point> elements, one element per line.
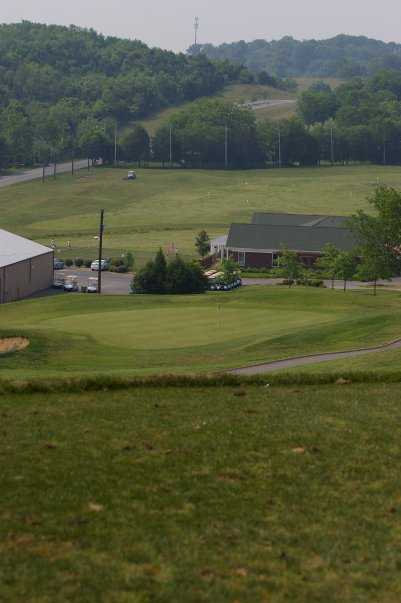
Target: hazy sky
<point>169,23</point>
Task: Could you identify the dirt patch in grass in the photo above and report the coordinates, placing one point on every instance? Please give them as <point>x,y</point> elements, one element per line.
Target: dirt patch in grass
<point>13,344</point>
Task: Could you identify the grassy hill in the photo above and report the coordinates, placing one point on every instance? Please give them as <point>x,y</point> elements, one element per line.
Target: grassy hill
<point>213,495</point>
<point>236,93</point>
<point>242,93</point>
<point>165,206</point>
<point>83,334</point>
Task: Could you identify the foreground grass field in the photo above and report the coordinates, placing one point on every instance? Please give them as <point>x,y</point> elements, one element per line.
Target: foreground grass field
<point>142,335</point>
<point>165,206</point>
<point>204,495</point>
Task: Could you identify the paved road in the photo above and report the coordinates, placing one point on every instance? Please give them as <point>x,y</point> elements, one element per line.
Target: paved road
<point>265,104</point>
<point>268,367</point>
<point>112,282</point>
<point>118,284</point>
<point>36,173</point>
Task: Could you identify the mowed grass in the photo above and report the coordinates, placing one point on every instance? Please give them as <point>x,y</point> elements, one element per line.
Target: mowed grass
<point>142,335</point>
<point>236,93</point>
<point>171,206</point>
<point>203,495</point>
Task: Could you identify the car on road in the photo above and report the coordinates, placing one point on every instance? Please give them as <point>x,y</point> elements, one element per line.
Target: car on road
<point>104,265</point>
<point>58,264</point>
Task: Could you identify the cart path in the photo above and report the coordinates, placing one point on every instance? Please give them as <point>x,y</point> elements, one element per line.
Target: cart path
<point>36,173</point>
<point>268,367</point>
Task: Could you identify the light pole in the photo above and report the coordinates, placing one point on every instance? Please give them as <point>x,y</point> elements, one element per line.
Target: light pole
<point>279,147</point>
<point>171,146</point>
<point>226,147</point>
<point>99,274</point>
<point>115,143</point>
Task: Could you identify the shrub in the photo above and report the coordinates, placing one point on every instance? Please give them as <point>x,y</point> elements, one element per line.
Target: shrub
<point>79,262</point>
<point>120,269</point>
<point>69,262</point>
<point>87,263</point>
<point>176,277</point>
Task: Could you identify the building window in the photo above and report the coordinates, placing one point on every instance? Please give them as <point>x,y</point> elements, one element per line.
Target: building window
<point>275,260</point>
<point>241,258</point>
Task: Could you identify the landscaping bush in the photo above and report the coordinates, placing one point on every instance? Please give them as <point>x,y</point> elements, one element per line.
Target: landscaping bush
<point>69,262</point>
<point>79,262</point>
<point>120,269</point>
<point>176,277</point>
<point>87,263</point>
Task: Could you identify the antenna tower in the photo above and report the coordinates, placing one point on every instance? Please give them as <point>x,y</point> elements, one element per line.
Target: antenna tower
<point>196,28</point>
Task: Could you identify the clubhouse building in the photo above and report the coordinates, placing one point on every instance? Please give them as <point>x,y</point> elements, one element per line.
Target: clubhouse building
<point>26,267</point>
<point>259,244</point>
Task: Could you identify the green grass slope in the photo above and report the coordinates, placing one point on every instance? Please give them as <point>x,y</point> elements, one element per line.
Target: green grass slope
<point>165,206</point>
<point>170,496</point>
<point>235,93</point>
<point>142,335</point>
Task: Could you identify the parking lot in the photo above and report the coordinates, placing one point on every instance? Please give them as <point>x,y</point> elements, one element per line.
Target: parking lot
<point>112,282</point>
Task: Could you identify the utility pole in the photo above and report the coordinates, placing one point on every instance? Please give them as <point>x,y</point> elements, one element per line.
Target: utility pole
<point>43,174</point>
<point>99,274</point>
<point>55,165</point>
<point>332,145</point>
<point>171,146</point>
<point>226,147</point>
<point>115,144</point>
<point>196,29</point>
<point>279,147</point>
<point>89,165</point>
<point>72,164</point>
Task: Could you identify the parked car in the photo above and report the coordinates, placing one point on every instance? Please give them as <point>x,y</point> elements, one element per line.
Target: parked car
<point>58,282</point>
<point>58,264</point>
<point>104,265</point>
<point>71,283</point>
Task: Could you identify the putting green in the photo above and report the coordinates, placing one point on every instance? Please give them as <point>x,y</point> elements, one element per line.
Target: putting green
<point>181,327</point>
<point>163,334</point>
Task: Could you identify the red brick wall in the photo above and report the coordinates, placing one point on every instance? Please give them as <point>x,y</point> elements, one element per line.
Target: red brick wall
<point>264,260</point>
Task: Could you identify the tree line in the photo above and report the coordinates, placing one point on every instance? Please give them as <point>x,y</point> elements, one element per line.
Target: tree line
<point>342,56</point>
<point>63,89</point>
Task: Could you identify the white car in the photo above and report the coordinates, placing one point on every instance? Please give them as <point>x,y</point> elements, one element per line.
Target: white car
<point>104,265</point>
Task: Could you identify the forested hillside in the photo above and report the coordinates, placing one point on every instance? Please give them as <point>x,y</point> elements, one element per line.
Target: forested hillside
<point>342,56</point>
<point>64,88</point>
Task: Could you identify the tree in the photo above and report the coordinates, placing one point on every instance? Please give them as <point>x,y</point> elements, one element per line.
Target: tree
<point>202,243</point>
<point>317,105</point>
<point>345,266</point>
<point>290,265</point>
<point>379,236</point>
<point>176,277</point>
<point>153,277</point>
<point>209,132</point>
<point>185,277</point>
<point>230,269</point>
<point>374,266</point>
<point>135,144</point>
<point>328,261</point>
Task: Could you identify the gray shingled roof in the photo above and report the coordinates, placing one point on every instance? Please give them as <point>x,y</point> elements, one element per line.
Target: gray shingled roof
<point>14,248</point>
<point>296,238</point>
<point>315,220</point>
